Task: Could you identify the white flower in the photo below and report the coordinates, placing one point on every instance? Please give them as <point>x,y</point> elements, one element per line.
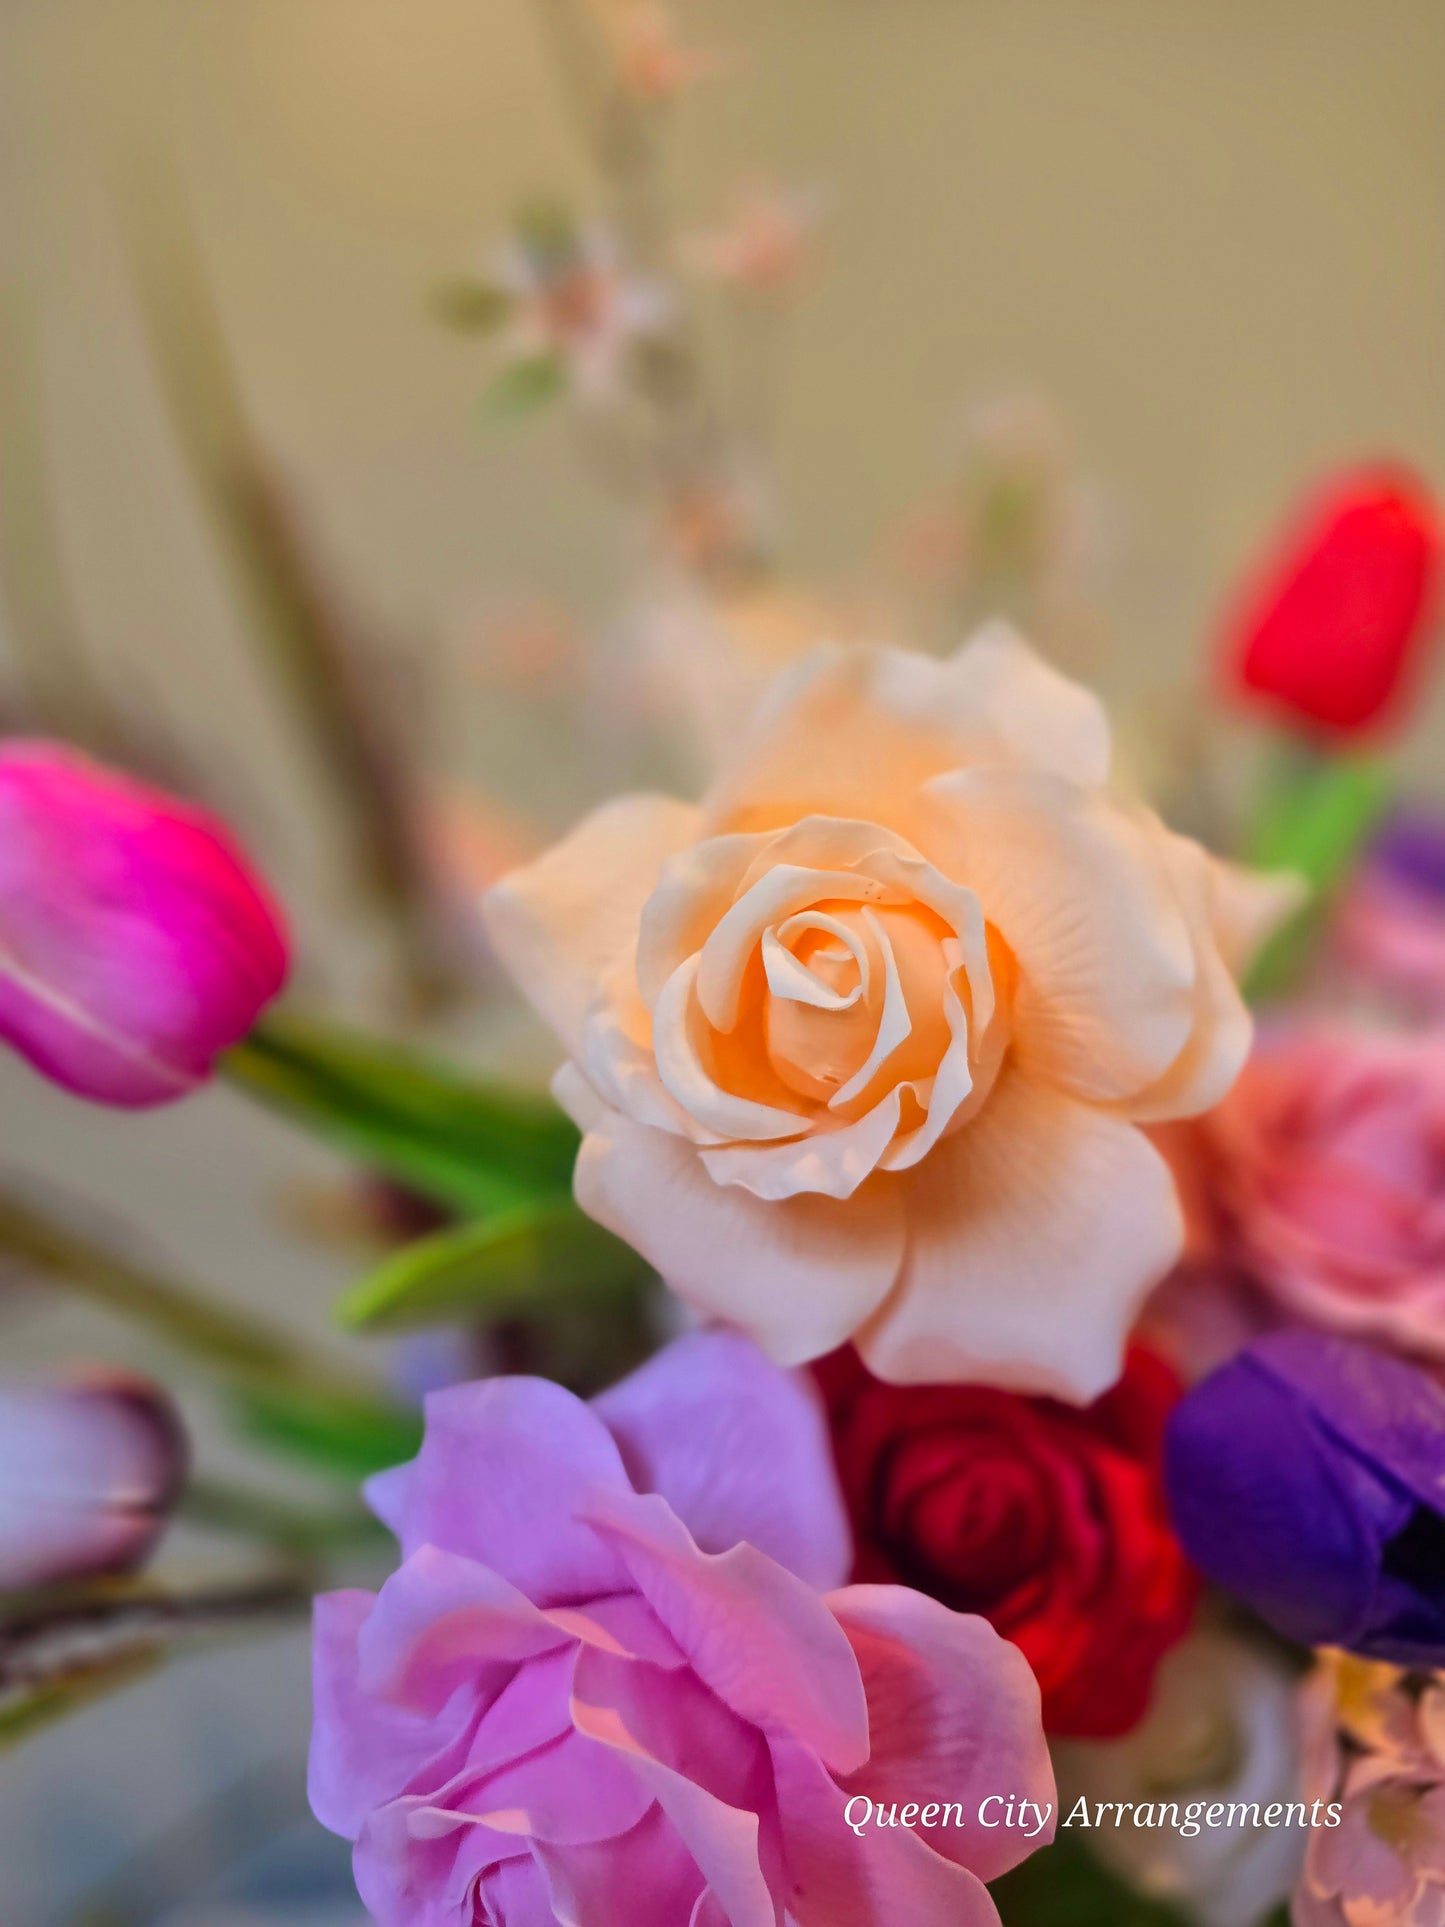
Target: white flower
<point>1220,1730</point>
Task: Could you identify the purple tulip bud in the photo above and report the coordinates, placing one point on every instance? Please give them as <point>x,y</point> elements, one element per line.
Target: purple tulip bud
<point>136,945</point>
<point>88,1474</point>
<point>1307,1477</point>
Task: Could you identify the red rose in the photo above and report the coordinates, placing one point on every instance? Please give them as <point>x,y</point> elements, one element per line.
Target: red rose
<point>1047,1519</point>
<point>1329,628</point>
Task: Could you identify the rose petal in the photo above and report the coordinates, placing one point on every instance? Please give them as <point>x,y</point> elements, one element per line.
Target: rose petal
<point>886,1876</point>
<point>1022,1269</point>
<point>800,1275</point>
<point>620,1708</point>
<point>739,1449</point>
<point>953,1715</point>
<point>441,1622</point>
<point>645,1877</point>
<point>753,1631</point>
<point>499,1455</point>
<point>1082,894</point>
<point>853,732</point>
<point>366,1750</point>
<point>561,923</point>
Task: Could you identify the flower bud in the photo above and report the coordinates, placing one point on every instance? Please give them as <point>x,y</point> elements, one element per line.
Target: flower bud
<point>1339,615</point>
<point>136,945</point>
<point>88,1474</point>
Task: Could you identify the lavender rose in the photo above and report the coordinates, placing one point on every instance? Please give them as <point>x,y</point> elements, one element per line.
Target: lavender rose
<point>1308,1477</point>
<point>609,1681</point>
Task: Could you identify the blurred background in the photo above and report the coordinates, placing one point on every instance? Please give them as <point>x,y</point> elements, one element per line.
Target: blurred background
<point>1164,263</point>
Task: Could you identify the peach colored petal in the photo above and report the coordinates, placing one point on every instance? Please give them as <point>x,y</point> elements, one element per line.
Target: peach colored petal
<point>1222,1029</point>
<point>832,1163</point>
<point>1046,721</point>
<point>678,1038</point>
<point>1033,1236</point>
<point>694,888</point>
<point>563,922</point>
<point>852,732</point>
<point>620,1063</point>
<point>1082,895</point>
<point>799,1276</point>
<point>778,894</point>
<point>1247,907</point>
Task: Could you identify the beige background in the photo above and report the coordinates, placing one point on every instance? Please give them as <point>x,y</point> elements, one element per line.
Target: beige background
<point>1213,234</point>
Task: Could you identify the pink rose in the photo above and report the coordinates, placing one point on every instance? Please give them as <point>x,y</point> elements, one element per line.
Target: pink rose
<point>1322,1179</point>
<point>136,945</point>
<point>861,1044</point>
<point>611,1680</point>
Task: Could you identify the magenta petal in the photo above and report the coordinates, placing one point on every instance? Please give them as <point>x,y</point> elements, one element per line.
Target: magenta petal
<point>738,1448</point>
<point>516,1895</point>
<point>672,1718</point>
<point>572,1791</point>
<point>646,1878</point>
<point>410,1876</point>
<point>88,1474</point>
<point>135,943</point>
<point>503,1474</point>
<point>365,1751</point>
<point>535,1706</point>
<point>440,1622</point>
<point>888,1876</point>
<point>764,1641</point>
<point>642,1719</point>
<point>953,1715</point>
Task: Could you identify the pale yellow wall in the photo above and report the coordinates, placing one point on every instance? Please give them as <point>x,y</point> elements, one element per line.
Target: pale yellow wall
<point>1213,233</point>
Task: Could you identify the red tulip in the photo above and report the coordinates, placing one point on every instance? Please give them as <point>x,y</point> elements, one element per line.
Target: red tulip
<point>1337,619</point>
<point>136,945</point>
<point>88,1474</point>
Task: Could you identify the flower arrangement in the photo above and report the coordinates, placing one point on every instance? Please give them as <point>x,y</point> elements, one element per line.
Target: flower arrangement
<point>941,1414</point>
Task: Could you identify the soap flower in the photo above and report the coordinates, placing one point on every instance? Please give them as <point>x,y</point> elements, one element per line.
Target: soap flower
<point>574,304</point>
<point>767,245</point>
<point>861,1045</point>
<point>652,63</point>
<point>90,1469</point>
<point>1374,1749</point>
<point>1048,1520</point>
<point>1220,1729</point>
<point>1307,1477</point>
<point>136,942</point>
<point>614,1679</point>
<point>1332,631</point>
<point>1318,1180</point>
<point>1386,939</point>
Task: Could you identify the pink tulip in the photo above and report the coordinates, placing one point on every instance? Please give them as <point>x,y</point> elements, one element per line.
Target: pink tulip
<point>136,945</point>
<point>88,1474</point>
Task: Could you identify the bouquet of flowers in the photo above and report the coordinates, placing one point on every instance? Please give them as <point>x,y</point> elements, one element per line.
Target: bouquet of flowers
<point>943,1415</point>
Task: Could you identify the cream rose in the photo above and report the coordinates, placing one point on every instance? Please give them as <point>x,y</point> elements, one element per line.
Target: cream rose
<point>860,1044</point>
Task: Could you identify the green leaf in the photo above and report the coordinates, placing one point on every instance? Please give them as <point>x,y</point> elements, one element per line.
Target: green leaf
<point>1315,822</point>
<point>471,1147</point>
<point>1063,1885</point>
<point>524,1260</point>
<point>346,1438</point>
<point>471,306</point>
<point>522,387</point>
